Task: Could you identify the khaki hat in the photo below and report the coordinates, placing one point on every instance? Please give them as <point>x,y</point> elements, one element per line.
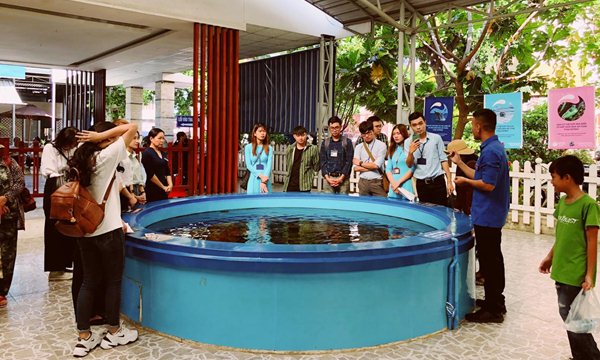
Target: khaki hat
<point>460,147</point>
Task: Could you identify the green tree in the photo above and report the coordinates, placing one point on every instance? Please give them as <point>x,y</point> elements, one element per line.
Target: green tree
<point>496,55</point>
<point>115,102</point>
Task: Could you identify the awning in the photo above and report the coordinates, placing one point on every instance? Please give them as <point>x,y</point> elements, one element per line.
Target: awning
<point>8,93</point>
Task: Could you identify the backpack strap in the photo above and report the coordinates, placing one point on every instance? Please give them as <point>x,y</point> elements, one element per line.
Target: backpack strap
<point>60,151</point>
<point>107,193</point>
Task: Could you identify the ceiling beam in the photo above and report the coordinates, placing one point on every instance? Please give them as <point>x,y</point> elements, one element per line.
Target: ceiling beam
<point>388,19</point>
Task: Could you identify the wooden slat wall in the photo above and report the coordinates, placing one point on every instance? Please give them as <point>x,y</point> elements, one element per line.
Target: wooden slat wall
<point>218,101</point>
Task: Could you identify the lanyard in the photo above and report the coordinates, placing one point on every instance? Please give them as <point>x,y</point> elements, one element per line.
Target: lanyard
<point>396,159</point>
<point>259,154</point>
<point>422,147</point>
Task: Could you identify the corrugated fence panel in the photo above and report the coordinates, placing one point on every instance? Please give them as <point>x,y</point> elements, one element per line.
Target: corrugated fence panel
<point>281,92</point>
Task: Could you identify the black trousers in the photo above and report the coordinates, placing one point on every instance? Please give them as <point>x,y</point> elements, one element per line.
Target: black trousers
<point>491,264</point>
<point>433,191</point>
<point>58,249</point>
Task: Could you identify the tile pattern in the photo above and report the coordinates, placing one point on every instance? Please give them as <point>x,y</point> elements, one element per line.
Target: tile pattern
<point>38,322</point>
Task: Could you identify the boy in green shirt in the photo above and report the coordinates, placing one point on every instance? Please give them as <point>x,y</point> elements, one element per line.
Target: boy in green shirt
<point>573,256</point>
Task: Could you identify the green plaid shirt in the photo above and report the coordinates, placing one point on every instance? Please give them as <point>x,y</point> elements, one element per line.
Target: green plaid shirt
<point>309,165</point>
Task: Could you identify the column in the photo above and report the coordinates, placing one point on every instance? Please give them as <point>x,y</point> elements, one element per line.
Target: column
<point>133,104</point>
<point>165,108</point>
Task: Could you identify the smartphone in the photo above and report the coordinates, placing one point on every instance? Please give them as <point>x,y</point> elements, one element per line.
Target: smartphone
<point>415,137</point>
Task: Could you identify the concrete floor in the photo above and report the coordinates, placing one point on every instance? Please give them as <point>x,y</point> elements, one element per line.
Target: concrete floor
<point>38,322</point>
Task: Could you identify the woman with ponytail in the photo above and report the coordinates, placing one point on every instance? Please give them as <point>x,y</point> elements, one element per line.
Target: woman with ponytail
<point>102,252</point>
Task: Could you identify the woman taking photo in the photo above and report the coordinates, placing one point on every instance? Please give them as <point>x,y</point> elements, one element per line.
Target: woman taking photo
<point>396,170</point>
<point>103,251</point>
<point>58,249</point>
<point>11,217</point>
<point>259,160</point>
<point>158,176</point>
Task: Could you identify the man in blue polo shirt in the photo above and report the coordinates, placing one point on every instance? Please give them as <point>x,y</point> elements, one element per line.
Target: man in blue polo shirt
<point>490,182</point>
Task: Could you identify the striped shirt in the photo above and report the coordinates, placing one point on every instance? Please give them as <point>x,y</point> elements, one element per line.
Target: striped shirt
<point>309,165</point>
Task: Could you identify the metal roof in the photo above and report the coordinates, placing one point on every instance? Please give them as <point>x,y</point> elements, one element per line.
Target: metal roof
<point>351,12</point>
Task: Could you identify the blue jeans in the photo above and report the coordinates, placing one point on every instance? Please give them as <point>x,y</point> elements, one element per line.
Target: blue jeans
<point>583,346</point>
<point>102,258</point>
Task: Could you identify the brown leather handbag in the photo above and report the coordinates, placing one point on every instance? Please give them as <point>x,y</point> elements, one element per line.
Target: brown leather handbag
<point>27,200</point>
<point>75,210</point>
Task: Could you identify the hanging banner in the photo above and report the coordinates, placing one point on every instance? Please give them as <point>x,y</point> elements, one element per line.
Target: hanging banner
<point>438,115</point>
<point>509,117</point>
<point>571,118</point>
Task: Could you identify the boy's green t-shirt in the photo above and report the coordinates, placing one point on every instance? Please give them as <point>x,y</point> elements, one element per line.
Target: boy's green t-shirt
<point>569,263</point>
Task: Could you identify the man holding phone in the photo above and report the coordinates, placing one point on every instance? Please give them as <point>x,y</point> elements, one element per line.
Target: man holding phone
<point>426,151</point>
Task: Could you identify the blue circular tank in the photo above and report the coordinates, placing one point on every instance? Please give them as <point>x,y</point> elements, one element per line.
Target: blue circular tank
<point>299,297</point>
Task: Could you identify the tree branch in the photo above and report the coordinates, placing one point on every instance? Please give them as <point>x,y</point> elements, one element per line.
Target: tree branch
<point>512,39</point>
<point>436,37</point>
<point>463,63</point>
<point>526,72</point>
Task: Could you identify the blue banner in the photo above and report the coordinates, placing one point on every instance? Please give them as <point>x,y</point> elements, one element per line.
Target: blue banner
<point>438,115</point>
<point>509,117</point>
<point>185,121</point>
<point>12,71</point>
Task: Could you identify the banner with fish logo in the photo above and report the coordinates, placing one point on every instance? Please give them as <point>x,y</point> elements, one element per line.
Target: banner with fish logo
<point>509,117</point>
<point>438,115</point>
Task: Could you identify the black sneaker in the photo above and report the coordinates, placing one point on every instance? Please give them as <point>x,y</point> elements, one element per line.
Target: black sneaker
<point>480,303</point>
<point>483,316</point>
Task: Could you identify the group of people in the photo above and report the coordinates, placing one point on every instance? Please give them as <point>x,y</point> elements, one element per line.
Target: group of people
<point>106,161</point>
<point>419,166</point>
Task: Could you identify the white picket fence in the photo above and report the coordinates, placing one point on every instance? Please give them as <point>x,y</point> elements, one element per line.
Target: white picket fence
<point>532,194</point>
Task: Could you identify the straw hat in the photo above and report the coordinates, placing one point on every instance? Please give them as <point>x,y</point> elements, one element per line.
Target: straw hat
<point>460,147</point>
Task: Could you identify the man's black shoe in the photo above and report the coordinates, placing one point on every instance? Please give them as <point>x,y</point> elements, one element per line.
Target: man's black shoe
<point>482,304</point>
<point>484,317</point>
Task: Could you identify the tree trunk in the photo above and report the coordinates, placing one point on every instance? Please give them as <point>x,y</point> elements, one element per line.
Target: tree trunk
<point>463,109</point>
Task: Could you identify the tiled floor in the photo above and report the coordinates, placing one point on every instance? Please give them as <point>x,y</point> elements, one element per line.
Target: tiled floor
<point>39,324</point>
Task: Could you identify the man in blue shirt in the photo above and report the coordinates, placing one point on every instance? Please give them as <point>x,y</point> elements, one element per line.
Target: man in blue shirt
<point>490,181</point>
<point>426,154</point>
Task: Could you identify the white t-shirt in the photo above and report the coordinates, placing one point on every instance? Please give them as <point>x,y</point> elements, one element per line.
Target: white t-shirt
<point>106,165</point>
<point>53,163</point>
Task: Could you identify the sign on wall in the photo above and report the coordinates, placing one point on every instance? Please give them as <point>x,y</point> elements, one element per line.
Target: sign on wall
<point>185,121</point>
<point>438,115</point>
<point>509,117</point>
<point>571,118</point>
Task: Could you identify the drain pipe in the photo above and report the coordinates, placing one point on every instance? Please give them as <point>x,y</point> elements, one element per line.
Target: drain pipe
<point>451,303</point>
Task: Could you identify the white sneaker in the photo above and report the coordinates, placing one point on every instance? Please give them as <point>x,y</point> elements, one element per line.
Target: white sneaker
<point>123,336</point>
<point>59,275</point>
<point>83,347</point>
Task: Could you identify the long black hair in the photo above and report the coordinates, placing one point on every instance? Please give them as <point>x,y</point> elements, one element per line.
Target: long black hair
<point>84,159</point>
<point>66,138</point>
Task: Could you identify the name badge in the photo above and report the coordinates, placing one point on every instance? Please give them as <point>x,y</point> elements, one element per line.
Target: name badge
<point>260,167</point>
<point>396,171</point>
<point>421,161</point>
<point>333,153</point>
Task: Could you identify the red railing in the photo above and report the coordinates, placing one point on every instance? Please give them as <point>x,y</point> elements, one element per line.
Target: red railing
<point>29,159</point>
